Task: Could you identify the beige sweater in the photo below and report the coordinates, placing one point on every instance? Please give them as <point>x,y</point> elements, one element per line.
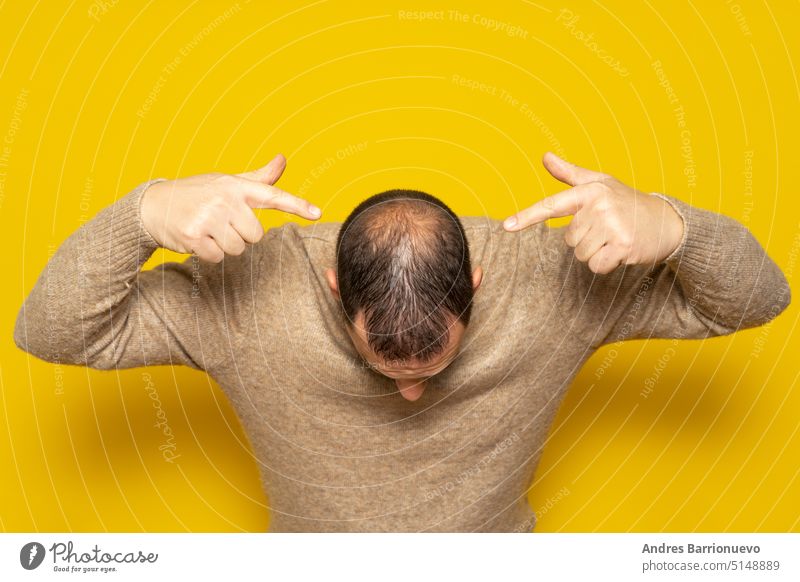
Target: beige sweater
<point>338,448</point>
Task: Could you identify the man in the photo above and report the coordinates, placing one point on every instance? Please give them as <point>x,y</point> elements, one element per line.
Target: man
<point>398,372</point>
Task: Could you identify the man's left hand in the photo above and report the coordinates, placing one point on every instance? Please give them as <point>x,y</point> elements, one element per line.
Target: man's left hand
<point>612,225</point>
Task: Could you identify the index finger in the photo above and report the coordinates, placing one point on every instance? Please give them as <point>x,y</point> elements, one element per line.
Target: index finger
<point>258,195</point>
<point>564,203</point>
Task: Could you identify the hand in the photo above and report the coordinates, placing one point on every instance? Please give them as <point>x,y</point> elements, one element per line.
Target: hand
<point>612,225</point>
<point>211,215</point>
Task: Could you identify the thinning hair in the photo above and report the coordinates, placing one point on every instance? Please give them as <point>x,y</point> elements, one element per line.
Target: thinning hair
<point>402,257</point>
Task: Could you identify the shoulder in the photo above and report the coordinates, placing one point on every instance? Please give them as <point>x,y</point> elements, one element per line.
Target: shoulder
<point>292,235</point>
<point>479,223</point>
<point>487,238</point>
<point>295,244</point>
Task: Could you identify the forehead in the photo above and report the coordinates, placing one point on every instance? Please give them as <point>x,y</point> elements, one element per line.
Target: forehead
<point>402,366</point>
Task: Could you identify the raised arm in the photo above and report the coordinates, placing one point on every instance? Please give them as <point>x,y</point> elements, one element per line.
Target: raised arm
<point>93,306</point>
<point>632,265</point>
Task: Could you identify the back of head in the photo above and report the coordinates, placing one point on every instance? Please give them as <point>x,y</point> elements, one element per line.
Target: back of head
<point>403,258</point>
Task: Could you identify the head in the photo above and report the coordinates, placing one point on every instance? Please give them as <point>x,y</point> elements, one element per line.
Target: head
<point>405,283</point>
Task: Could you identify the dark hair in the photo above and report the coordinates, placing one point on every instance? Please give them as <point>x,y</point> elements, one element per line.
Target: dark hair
<point>402,256</point>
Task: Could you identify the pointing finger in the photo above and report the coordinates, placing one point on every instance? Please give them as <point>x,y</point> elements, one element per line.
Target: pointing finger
<point>564,203</point>
<point>568,173</point>
<point>265,196</point>
<point>270,173</point>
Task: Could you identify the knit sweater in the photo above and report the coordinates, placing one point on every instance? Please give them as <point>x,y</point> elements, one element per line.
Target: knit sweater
<point>338,448</point>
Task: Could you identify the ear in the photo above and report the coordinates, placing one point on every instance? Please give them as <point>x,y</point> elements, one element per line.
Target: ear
<point>477,277</point>
<point>330,275</point>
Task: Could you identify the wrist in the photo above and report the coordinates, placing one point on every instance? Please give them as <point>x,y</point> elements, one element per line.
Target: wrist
<point>148,213</point>
<point>677,230</point>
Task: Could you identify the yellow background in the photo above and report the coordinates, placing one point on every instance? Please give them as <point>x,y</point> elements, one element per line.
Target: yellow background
<point>93,102</point>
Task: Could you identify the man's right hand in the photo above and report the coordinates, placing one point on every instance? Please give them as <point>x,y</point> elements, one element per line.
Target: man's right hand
<point>211,215</point>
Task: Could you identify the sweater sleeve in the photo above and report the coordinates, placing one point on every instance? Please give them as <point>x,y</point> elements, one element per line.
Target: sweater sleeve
<point>717,281</point>
<point>92,305</point>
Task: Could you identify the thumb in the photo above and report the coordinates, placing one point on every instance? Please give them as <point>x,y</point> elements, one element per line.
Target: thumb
<point>270,173</point>
<point>563,171</point>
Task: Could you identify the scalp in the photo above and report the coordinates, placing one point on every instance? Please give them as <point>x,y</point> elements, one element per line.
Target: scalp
<point>402,258</point>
